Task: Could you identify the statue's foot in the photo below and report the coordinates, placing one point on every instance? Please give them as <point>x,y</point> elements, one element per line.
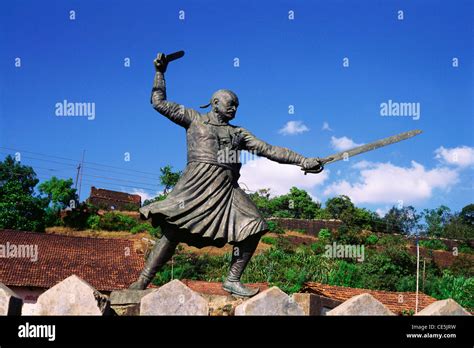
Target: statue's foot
<point>140,284</point>
<point>237,288</point>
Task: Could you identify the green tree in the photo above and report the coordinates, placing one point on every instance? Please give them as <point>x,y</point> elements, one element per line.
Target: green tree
<point>436,220</point>
<point>168,179</point>
<point>296,204</point>
<point>20,208</point>
<point>403,220</point>
<point>339,206</point>
<point>60,195</point>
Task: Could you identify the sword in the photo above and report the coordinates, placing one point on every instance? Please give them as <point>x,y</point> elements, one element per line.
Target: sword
<point>361,149</point>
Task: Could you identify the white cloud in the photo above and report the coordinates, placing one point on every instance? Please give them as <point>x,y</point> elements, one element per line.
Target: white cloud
<point>462,156</point>
<point>388,183</point>
<point>262,173</point>
<point>293,127</point>
<point>326,126</point>
<point>343,143</point>
<point>144,194</point>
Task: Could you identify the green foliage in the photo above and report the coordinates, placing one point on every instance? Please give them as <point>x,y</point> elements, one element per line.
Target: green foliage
<point>460,289</point>
<point>434,244</point>
<point>297,204</point>
<point>274,227</point>
<point>339,206</point>
<point>436,220</point>
<point>371,239</point>
<point>459,227</point>
<point>269,240</point>
<point>92,222</point>
<point>78,218</point>
<point>20,208</point>
<point>467,214</point>
<point>403,220</point>
<point>168,178</point>
<point>60,194</point>
<point>324,234</point>
<point>113,221</point>
<point>145,227</point>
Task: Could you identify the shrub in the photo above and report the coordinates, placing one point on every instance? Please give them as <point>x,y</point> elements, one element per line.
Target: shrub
<point>274,227</point>
<point>144,227</point>
<point>434,244</point>
<point>112,221</point>
<point>77,218</point>
<point>324,234</point>
<point>269,240</point>
<point>372,239</point>
<point>93,222</point>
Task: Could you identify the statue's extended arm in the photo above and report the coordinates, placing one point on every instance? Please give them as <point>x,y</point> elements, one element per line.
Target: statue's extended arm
<point>276,153</point>
<point>175,112</point>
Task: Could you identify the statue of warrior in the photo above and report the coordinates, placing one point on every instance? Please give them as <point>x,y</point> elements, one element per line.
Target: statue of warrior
<point>207,207</point>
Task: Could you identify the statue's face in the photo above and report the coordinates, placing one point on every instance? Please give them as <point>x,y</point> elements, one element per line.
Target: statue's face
<point>226,105</point>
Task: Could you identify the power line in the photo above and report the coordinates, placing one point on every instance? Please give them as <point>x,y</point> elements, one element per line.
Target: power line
<point>70,159</point>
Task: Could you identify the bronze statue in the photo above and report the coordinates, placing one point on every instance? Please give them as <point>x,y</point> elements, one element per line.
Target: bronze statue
<point>207,207</point>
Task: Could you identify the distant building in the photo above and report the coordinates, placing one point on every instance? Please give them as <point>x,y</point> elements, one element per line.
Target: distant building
<point>114,200</point>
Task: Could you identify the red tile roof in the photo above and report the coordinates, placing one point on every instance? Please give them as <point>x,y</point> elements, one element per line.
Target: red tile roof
<point>115,195</point>
<point>395,301</point>
<point>106,264</point>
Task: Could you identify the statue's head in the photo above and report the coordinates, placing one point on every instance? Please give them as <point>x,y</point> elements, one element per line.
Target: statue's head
<point>225,103</point>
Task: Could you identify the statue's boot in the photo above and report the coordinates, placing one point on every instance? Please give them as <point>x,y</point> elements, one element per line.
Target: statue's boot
<point>160,254</point>
<point>241,256</point>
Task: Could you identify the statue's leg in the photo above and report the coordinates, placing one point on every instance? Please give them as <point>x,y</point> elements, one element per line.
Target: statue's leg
<point>160,254</point>
<point>241,255</point>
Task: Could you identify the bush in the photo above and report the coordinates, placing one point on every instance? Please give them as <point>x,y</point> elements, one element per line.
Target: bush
<point>112,221</point>
<point>93,222</point>
<point>274,227</point>
<point>434,244</point>
<point>77,218</point>
<point>144,227</point>
<point>372,239</point>
<point>324,234</point>
<point>269,240</point>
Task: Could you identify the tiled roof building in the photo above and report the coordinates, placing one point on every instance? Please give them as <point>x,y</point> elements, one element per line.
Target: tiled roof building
<point>105,263</point>
<point>398,302</point>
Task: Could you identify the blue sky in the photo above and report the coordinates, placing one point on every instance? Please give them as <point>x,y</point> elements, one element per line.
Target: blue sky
<point>282,62</point>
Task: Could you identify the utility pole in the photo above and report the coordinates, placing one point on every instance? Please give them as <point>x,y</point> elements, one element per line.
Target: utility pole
<point>81,170</point>
<point>417,272</point>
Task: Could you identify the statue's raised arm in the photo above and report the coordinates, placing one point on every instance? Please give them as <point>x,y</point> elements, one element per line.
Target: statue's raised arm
<point>175,112</point>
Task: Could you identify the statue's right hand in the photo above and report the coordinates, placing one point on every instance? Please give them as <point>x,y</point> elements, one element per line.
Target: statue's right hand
<point>161,63</point>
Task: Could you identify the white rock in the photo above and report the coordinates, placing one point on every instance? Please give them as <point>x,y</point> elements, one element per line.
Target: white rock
<point>174,298</point>
<point>72,296</point>
<point>272,301</point>
<point>363,304</point>
<point>10,303</point>
<point>444,307</point>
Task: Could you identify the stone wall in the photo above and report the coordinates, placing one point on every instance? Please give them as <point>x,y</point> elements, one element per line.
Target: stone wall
<point>311,227</point>
<point>74,296</point>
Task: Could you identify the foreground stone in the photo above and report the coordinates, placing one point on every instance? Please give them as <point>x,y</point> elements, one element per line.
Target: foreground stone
<point>174,298</point>
<point>270,302</point>
<point>444,307</point>
<point>364,304</point>
<point>10,303</point>
<point>72,296</point>
<point>127,302</point>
